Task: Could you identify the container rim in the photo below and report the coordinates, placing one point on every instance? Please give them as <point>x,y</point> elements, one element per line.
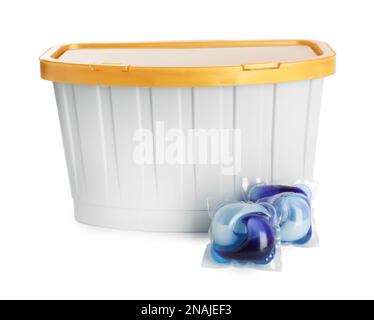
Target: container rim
<point>321,65</point>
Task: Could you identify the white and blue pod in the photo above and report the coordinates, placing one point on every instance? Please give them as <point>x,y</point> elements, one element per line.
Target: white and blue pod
<point>292,208</point>
<point>243,232</point>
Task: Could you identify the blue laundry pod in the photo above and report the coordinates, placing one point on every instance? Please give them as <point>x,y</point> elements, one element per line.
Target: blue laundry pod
<point>243,232</point>
<point>292,209</point>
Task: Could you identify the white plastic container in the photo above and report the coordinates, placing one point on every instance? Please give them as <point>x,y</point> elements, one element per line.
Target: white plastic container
<point>268,91</point>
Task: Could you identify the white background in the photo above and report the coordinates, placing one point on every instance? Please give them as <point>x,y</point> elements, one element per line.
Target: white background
<point>44,253</point>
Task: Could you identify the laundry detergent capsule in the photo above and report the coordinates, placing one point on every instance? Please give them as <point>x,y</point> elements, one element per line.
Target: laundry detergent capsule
<point>291,206</point>
<point>243,232</point>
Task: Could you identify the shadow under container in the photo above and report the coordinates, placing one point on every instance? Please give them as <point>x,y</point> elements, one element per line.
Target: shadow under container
<point>268,90</point>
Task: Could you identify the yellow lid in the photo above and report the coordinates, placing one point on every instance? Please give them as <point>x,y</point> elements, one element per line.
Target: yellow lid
<point>188,64</point>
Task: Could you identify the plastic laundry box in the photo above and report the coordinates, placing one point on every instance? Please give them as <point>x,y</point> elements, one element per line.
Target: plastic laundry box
<point>151,130</point>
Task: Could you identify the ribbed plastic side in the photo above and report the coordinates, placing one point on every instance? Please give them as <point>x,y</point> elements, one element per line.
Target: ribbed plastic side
<point>279,126</point>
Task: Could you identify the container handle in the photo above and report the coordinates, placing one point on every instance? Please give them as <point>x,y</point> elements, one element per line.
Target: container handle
<point>110,67</point>
<point>260,66</point>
